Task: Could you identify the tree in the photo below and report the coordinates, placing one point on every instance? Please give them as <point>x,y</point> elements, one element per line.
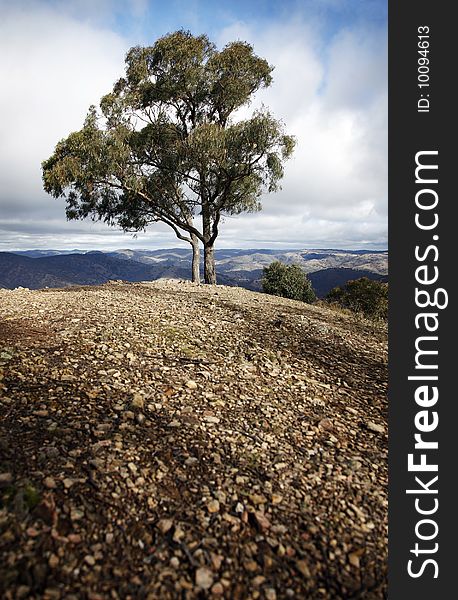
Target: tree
<point>288,281</point>
<point>168,147</point>
<point>364,296</point>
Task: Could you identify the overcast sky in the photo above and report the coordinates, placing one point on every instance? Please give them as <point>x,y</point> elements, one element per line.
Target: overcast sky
<point>330,88</point>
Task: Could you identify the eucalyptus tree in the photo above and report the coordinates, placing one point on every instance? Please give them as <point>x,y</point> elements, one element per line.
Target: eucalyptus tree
<point>168,144</point>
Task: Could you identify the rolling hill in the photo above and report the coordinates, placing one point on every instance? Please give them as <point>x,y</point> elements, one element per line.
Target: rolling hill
<point>37,269</point>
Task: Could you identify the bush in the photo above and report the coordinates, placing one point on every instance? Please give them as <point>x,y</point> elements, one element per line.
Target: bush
<point>364,296</point>
<point>288,281</point>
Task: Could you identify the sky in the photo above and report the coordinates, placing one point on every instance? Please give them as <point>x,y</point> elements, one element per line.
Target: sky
<point>329,87</point>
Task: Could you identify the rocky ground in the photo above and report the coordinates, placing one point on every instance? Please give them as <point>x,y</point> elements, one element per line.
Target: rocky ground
<point>169,440</point>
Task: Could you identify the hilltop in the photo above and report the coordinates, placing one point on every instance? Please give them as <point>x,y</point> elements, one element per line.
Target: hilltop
<point>168,440</point>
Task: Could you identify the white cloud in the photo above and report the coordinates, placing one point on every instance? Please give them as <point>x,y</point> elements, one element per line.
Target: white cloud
<point>335,102</point>
<point>54,67</point>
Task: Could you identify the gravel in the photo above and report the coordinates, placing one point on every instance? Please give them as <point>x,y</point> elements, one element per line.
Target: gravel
<point>168,440</point>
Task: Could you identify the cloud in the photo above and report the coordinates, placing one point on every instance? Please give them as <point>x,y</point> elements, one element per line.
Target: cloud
<point>333,98</point>
<point>55,68</point>
<point>58,58</point>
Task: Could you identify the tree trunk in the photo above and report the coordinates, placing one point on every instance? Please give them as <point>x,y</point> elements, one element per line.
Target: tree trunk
<point>195,258</point>
<point>209,264</point>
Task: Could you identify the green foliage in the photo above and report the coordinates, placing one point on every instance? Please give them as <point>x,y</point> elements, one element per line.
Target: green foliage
<point>364,296</point>
<point>288,281</point>
<point>166,146</point>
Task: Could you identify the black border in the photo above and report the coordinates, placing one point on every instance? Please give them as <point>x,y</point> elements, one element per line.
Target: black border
<point>409,133</point>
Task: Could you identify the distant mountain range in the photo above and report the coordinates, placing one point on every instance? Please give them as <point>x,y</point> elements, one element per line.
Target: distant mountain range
<point>37,269</point>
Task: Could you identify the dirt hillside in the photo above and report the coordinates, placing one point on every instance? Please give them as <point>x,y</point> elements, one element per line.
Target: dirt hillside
<point>169,440</point>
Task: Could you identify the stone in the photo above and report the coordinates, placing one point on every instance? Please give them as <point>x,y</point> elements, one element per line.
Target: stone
<point>212,420</point>
<point>375,428</point>
<point>164,525</point>
<point>303,568</point>
<point>5,478</point>
<point>204,578</point>
<point>213,506</point>
<point>262,520</point>
<point>217,589</point>
<point>138,401</point>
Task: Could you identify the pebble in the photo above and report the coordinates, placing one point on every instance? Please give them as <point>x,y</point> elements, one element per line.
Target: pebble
<point>212,420</point>
<point>53,561</point>
<point>165,525</point>
<point>217,589</point>
<point>6,478</point>
<point>204,578</point>
<point>90,560</point>
<point>375,428</point>
<point>138,401</point>
<point>213,506</point>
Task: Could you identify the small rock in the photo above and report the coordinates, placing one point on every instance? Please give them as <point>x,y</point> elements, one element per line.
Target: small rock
<point>90,560</point>
<point>258,498</point>
<point>217,560</point>
<point>212,419</point>
<point>262,520</point>
<point>23,591</point>
<point>353,559</point>
<point>138,401</point>
<point>303,568</point>
<point>5,478</point>
<point>191,384</point>
<point>217,589</point>
<point>50,483</point>
<point>178,534</point>
<point>53,561</point>
<point>326,424</point>
<point>376,428</point>
<point>213,506</point>
<point>41,413</point>
<point>204,578</point>
<point>191,461</point>
<point>68,378</point>
<point>250,565</point>
<point>97,463</point>
<point>165,525</point>
<point>76,514</point>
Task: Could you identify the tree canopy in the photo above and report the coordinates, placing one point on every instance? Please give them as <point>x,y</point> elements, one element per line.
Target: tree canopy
<point>363,296</point>
<point>167,146</point>
<point>288,281</point>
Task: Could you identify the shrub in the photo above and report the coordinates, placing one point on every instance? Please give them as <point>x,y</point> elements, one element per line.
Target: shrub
<point>364,296</point>
<point>288,281</point>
